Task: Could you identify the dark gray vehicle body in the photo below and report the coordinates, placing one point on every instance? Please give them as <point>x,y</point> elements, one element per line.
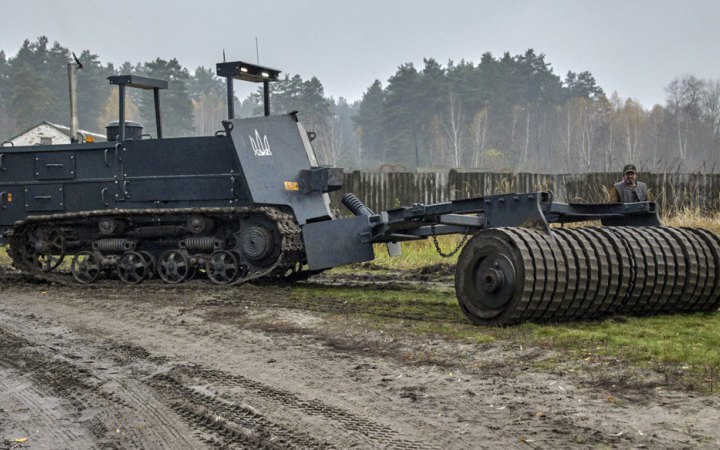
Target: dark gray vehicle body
<point>255,161</point>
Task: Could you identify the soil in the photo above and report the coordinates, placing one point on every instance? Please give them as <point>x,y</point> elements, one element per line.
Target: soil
<point>195,366</point>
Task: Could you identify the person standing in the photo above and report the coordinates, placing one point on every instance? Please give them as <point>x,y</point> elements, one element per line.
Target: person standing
<point>630,190</point>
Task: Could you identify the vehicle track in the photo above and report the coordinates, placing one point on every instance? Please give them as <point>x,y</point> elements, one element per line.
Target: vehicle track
<point>373,433</point>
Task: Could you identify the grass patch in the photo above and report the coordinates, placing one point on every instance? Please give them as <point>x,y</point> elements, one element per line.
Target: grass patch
<point>4,258</point>
<point>419,253</point>
<point>694,218</point>
<point>685,346</point>
<point>422,313</point>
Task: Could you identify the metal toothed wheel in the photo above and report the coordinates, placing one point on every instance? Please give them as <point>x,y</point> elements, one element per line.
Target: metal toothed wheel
<point>222,267</point>
<point>173,266</point>
<point>494,278</point>
<point>132,268</point>
<point>85,267</point>
<point>44,249</point>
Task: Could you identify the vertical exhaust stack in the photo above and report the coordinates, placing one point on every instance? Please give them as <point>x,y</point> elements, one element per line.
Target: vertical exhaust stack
<point>72,68</point>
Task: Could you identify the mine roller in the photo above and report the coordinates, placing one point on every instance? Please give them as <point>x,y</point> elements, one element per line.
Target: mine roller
<point>251,203</point>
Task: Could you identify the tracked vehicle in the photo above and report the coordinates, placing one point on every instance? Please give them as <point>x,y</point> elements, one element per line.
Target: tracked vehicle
<point>251,202</point>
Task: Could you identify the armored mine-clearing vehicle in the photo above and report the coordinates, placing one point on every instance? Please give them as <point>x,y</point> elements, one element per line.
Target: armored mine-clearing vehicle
<point>251,202</point>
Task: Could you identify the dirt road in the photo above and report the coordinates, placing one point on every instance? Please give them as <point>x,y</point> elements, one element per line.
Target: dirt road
<point>194,366</point>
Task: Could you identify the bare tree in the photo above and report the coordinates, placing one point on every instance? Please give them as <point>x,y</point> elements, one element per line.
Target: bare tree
<point>453,127</point>
<point>332,144</point>
<point>478,133</point>
<point>654,130</point>
<point>683,98</point>
<point>633,117</point>
<point>209,113</point>
<point>711,108</point>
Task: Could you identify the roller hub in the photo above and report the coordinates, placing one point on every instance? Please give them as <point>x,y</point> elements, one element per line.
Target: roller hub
<point>490,277</point>
<point>494,280</point>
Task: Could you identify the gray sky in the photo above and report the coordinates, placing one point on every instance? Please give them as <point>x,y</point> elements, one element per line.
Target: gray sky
<point>633,47</point>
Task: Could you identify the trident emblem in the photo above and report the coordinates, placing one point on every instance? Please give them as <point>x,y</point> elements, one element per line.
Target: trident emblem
<point>260,146</point>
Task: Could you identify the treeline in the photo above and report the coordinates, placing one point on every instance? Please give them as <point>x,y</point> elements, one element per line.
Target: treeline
<point>509,113</point>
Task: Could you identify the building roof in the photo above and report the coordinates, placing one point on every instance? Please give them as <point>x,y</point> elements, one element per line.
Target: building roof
<point>63,129</point>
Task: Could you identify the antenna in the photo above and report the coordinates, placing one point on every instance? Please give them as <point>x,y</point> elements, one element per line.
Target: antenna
<point>223,55</point>
<point>257,51</point>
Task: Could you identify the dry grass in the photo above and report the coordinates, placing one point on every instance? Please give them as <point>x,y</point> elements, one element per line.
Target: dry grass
<point>694,218</point>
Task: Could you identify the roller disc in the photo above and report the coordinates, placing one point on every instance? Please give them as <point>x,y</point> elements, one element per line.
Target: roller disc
<point>711,243</point>
<point>622,250</point>
<point>704,292</point>
<point>584,252</point>
<point>641,260</point>
<point>594,304</point>
<point>495,278</point>
<point>538,264</point>
<point>695,273</point>
<point>576,278</point>
<point>660,291</point>
<point>609,262</point>
<point>555,264</point>
<point>674,263</point>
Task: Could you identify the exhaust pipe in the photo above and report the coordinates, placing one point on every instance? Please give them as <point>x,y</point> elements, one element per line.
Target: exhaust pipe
<point>72,86</point>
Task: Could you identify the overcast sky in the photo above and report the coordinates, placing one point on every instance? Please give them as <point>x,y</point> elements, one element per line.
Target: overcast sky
<point>633,47</point>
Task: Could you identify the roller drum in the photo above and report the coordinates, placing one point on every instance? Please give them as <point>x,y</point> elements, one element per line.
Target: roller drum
<point>512,275</point>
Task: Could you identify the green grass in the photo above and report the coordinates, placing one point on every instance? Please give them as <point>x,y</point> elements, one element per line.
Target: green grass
<point>421,312</point>
<point>686,345</point>
<point>416,254</point>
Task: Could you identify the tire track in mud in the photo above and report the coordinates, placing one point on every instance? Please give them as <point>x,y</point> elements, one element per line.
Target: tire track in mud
<point>212,419</point>
<point>230,422</point>
<point>17,393</point>
<point>373,433</point>
<point>82,389</point>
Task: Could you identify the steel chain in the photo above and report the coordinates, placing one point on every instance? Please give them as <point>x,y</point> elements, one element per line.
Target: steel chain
<point>455,250</point>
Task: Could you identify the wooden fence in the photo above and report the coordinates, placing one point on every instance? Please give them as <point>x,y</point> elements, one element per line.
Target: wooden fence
<point>381,191</point>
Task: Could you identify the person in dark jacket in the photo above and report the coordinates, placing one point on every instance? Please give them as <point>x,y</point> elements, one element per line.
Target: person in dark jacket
<point>630,190</point>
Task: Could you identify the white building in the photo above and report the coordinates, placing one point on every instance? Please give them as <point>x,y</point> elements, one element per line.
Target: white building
<point>47,133</point>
